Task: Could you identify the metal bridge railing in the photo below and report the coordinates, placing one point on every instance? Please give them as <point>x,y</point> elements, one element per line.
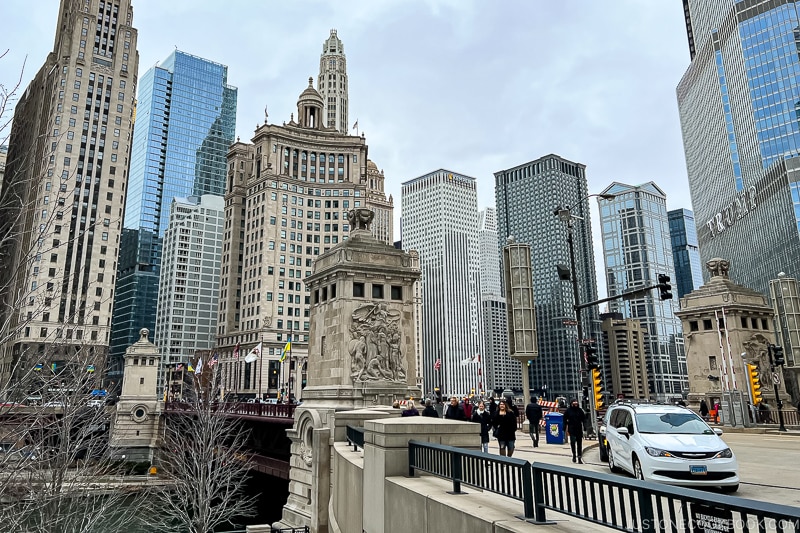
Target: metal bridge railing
<point>355,437</point>
<point>620,503</point>
<point>501,475</point>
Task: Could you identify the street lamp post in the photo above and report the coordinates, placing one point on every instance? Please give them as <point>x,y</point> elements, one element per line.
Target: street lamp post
<point>565,215</point>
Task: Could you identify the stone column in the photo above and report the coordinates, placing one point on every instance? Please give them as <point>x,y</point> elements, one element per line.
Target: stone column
<point>386,455</point>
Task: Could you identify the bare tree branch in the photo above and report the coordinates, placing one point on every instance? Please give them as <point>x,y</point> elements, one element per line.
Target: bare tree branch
<point>205,458</point>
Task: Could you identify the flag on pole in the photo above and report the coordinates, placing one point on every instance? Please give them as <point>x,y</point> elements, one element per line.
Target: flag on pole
<point>214,360</point>
<point>254,354</point>
<point>355,126</point>
<point>286,349</point>
<point>437,365</point>
<point>236,350</point>
<point>37,367</point>
<point>90,369</point>
<point>199,367</point>
<point>53,367</point>
<point>474,360</point>
<point>179,367</point>
<point>190,368</point>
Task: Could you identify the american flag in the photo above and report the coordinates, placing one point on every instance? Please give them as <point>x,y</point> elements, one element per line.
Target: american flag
<point>179,367</point>
<point>437,365</point>
<point>236,351</point>
<point>214,360</point>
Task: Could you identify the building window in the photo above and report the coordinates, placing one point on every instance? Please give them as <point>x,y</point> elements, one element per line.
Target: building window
<point>377,291</point>
<point>693,326</point>
<point>397,292</point>
<point>358,290</point>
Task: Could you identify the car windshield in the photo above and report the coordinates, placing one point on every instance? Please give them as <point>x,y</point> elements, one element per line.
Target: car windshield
<point>681,423</point>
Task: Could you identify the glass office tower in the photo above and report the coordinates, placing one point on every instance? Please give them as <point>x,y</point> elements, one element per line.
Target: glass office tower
<point>636,249</point>
<point>685,252</point>
<point>526,196</point>
<point>185,123</point>
<point>739,104</point>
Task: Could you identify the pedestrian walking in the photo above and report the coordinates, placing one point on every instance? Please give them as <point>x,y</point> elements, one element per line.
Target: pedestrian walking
<point>573,422</point>
<point>482,417</point>
<point>704,410</point>
<point>533,412</point>
<point>505,429</point>
<point>410,410</point>
<point>492,407</point>
<point>467,408</point>
<point>430,410</point>
<point>454,411</point>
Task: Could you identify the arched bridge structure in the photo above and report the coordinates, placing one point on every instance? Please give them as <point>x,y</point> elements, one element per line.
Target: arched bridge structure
<point>267,425</point>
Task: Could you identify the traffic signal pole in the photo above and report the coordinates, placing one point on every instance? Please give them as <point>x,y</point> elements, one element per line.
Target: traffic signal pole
<point>776,359</point>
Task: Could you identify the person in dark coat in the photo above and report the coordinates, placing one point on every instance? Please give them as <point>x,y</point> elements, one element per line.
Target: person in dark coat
<point>573,422</point>
<point>481,416</point>
<point>455,411</point>
<point>467,406</point>
<point>430,410</point>
<point>505,424</point>
<point>704,410</point>
<point>492,407</point>
<point>410,410</point>
<point>533,412</point>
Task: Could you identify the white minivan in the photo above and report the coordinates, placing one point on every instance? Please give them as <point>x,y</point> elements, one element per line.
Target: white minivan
<point>669,444</point>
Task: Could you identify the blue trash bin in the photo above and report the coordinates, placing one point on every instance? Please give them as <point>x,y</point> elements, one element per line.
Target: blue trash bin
<point>554,428</point>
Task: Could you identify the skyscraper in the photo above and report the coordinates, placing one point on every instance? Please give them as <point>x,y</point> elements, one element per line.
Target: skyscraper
<point>526,196</point>
<point>440,221</point>
<point>332,83</point>
<point>287,198</point>
<point>188,292</point>
<point>502,372</point>
<point>636,249</point>
<point>685,253</point>
<point>64,187</point>
<point>738,104</point>
<point>186,119</point>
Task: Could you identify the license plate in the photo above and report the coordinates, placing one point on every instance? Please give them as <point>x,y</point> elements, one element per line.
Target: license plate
<point>698,470</point>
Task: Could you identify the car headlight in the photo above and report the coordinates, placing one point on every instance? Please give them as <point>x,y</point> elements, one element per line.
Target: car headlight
<point>657,452</point>
<point>724,454</point>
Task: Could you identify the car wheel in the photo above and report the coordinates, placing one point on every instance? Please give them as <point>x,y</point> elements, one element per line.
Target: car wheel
<point>730,488</point>
<point>611,465</point>
<point>637,469</point>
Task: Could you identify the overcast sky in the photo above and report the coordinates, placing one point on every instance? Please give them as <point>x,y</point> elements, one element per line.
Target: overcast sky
<point>467,85</point>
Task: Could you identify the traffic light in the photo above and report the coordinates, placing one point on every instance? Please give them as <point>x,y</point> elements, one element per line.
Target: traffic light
<point>754,381</point>
<point>778,357</point>
<point>597,388</point>
<point>592,362</point>
<point>664,287</point>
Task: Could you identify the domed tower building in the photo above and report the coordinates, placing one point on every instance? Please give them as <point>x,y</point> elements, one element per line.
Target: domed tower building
<point>287,197</point>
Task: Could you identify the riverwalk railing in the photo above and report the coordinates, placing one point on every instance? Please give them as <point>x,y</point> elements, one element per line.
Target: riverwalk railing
<point>616,502</point>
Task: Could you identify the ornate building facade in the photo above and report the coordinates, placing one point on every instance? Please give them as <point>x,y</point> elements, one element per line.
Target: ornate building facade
<point>332,83</point>
<point>286,202</point>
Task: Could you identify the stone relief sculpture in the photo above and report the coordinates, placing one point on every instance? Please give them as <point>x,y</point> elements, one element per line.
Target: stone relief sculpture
<point>360,218</point>
<point>718,267</point>
<point>374,346</point>
<point>756,349</point>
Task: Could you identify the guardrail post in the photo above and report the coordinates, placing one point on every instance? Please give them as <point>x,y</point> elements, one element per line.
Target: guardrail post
<point>527,490</point>
<point>540,516</point>
<point>411,463</point>
<point>455,468</point>
<point>646,511</point>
